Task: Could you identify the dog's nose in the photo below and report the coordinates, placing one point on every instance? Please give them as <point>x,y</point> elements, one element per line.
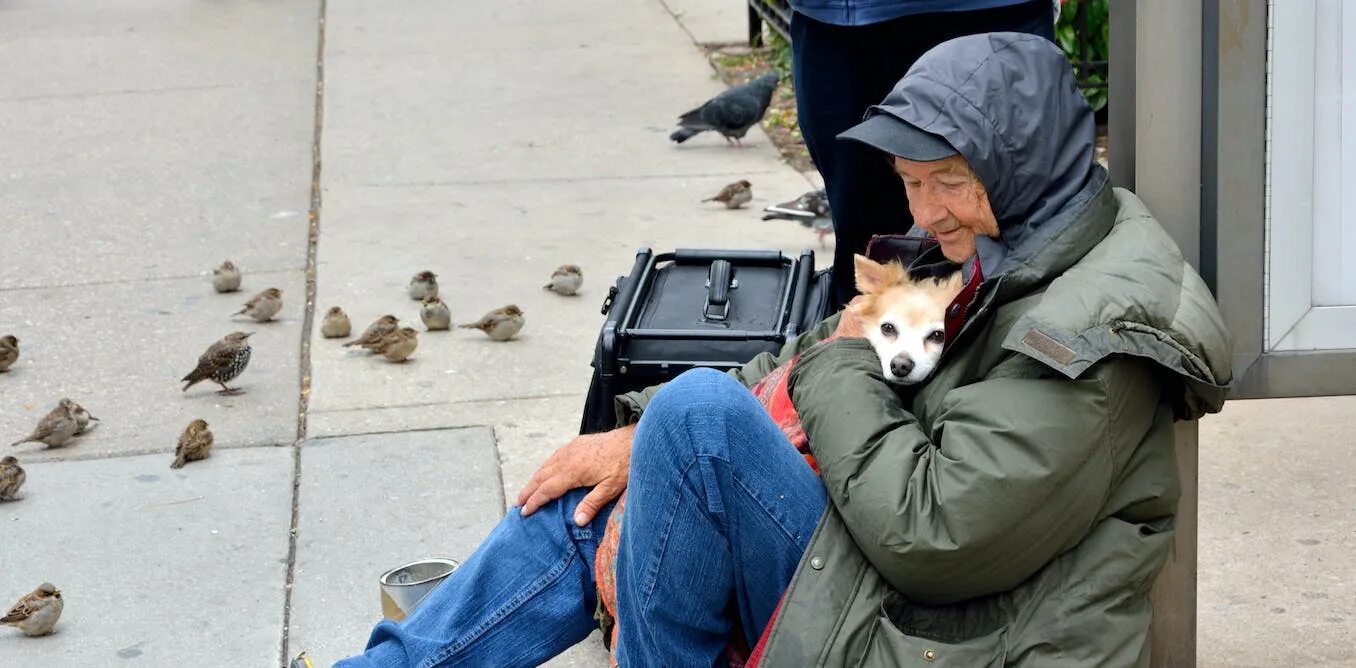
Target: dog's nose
<point>901,365</point>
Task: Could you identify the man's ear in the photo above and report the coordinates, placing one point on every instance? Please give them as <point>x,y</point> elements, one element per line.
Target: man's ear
<point>870,275</point>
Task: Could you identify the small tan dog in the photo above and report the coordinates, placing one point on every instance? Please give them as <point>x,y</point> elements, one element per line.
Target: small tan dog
<point>904,319</point>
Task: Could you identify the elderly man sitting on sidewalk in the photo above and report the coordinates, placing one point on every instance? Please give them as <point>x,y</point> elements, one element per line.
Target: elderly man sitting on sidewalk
<point>1013,510</point>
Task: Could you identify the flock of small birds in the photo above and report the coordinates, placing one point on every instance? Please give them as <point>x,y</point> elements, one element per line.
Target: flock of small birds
<point>37,613</point>
<point>731,113</point>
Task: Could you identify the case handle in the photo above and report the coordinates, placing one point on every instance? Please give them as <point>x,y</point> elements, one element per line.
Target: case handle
<point>719,282</point>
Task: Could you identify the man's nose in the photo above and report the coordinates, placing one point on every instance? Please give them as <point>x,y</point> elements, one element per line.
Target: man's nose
<point>925,213</point>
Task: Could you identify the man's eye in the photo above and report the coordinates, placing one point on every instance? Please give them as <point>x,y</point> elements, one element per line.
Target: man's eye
<point>888,330</point>
<point>908,183</point>
<point>937,336</point>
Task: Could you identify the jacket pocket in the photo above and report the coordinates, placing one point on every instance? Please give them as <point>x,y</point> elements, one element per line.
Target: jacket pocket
<point>893,645</point>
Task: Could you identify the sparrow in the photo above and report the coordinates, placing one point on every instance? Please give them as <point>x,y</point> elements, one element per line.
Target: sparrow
<point>435,314</point>
<point>194,444</point>
<point>423,284</point>
<point>500,324</point>
<point>55,429</point>
<point>223,361</point>
<point>12,477</point>
<point>37,613</point>
<point>565,280</point>
<point>397,346</point>
<point>82,418</point>
<point>336,324</point>
<point>226,278</point>
<point>731,113</point>
<point>375,332</point>
<point>9,351</point>
<point>263,306</point>
<point>735,195</point>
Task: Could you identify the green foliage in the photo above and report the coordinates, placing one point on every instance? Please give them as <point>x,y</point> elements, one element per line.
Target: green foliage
<point>1082,33</point>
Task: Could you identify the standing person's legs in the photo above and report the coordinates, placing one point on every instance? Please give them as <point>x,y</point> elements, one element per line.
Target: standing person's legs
<point>839,72</point>
<point>720,506</point>
<point>836,80</point>
<point>526,594</point>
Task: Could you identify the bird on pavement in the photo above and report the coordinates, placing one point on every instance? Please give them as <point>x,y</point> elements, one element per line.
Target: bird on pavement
<point>336,324</point>
<point>500,324</point>
<point>375,332</point>
<point>397,346</point>
<point>435,314</point>
<point>55,429</point>
<point>194,444</point>
<point>223,361</point>
<point>37,613</point>
<point>731,113</point>
<point>734,195</point>
<point>226,278</point>
<point>9,351</point>
<point>12,477</point>
<point>810,210</point>
<point>263,306</point>
<point>423,284</point>
<point>565,280</point>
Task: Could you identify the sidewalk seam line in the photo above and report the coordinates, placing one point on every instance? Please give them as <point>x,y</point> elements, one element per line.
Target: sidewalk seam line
<point>304,391</point>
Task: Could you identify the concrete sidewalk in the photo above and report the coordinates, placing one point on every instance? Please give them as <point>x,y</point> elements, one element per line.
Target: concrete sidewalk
<point>488,141</point>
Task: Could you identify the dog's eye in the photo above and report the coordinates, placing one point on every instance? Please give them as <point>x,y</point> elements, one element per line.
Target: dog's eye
<point>888,330</point>
<point>937,336</point>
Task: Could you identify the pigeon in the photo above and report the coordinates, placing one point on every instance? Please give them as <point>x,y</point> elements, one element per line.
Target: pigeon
<point>810,210</point>
<point>735,195</point>
<point>730,113</point>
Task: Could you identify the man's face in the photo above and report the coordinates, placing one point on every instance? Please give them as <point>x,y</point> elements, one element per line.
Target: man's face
<point>949,202</point>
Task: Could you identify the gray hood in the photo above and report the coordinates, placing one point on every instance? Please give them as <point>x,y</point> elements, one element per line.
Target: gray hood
<point>1008,103</point>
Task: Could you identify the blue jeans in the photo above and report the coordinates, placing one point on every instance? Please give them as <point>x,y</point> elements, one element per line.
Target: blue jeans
<point>719,510</point>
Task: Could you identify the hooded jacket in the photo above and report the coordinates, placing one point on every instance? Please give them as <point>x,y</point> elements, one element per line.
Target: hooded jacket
<point>1015,509</point>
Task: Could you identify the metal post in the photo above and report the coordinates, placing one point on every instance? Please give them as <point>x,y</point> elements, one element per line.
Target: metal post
<point>1121,94</point>
<point>1167,163</point>
<point>755,25</point>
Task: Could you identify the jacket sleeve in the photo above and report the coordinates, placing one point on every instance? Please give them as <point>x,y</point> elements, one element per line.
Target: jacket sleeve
<point>630,405</point>
<point>1013,472</point>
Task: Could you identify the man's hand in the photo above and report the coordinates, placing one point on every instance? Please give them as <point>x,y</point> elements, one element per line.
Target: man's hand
<point>601,461</point>
<point>850,323</point>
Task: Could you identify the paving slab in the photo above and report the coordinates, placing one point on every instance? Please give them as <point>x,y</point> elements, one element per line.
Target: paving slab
<point>122,358</point>
<point>712,21</point>
<point>1276,584</point>
<point>369,503</point>
<point>598,105</point>
<point>157,567</point>
<point>153,139</point>
<point>75,47</point>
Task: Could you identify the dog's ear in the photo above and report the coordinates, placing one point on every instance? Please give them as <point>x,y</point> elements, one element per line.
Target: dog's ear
<point>870,275</point>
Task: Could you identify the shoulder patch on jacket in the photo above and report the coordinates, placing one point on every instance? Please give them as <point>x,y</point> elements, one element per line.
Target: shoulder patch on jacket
<point>1045,345</point>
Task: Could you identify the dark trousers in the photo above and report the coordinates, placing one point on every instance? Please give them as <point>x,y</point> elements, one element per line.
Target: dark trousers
<point>840,71</point>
